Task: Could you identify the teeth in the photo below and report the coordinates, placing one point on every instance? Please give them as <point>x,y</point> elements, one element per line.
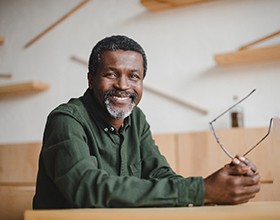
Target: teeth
<point>121,98</point>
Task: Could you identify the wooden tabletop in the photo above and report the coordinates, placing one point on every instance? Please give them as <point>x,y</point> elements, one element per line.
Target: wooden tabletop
<point>251,210</point>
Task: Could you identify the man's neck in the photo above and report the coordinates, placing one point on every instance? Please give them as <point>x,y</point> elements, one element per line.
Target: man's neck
<point>117,123</point>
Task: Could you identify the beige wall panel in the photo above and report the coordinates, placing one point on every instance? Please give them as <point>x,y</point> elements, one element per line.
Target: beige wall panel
<point>168,147</point>
<point>200,155</point>
<point>19,162</point>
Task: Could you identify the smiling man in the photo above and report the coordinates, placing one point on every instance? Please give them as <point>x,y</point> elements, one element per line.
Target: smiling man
<point>98,149</point>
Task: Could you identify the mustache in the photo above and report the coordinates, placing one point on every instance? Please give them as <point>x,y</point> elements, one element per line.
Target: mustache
<point>115,92</point>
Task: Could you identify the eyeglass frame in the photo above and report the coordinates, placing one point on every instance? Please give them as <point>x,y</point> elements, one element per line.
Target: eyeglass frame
<point>218,139</point>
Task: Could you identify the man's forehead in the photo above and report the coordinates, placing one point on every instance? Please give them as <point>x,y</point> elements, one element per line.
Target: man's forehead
<point>124,56</point>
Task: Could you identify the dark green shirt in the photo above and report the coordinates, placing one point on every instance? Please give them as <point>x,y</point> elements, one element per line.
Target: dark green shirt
<point>85,162</point>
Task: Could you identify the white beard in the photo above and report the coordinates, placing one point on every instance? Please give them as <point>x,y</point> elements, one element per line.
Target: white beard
<point>119,113</point>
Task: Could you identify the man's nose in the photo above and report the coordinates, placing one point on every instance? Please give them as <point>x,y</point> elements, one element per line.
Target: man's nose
<point>122,83</point>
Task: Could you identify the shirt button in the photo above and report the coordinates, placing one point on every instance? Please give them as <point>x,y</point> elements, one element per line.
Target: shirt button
<point>105,129</point>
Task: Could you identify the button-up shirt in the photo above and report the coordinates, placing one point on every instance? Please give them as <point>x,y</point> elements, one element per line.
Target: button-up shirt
<point>85,162</point>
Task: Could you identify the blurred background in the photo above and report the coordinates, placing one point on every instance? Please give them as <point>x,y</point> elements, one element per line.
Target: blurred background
<point>180,42</point>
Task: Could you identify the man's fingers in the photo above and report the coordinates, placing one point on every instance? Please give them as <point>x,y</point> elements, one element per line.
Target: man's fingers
<point>249,163</point>
<point>239,169</point>
<point>244,165</point>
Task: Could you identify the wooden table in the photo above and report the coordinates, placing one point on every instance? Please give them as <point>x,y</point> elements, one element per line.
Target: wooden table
<point>251,210</point>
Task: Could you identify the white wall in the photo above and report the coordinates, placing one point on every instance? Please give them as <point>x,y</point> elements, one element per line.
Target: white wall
<point>180,44</point>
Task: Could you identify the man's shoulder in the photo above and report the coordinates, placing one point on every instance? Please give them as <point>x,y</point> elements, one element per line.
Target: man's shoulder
<point>137,112</point>
<point>73,107</point>
<point>138,117</point>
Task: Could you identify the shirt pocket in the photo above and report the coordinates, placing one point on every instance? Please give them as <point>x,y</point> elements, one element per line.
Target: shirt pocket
<point>135,169</point>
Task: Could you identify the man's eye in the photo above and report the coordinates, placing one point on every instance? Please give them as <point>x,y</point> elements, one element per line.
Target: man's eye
<point>111,75</point>
<point>135,77</point>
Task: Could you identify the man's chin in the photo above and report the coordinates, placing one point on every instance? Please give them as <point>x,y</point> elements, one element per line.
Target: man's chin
<point>118,113</point>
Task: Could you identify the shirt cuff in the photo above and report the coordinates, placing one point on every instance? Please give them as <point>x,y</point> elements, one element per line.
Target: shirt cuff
<point>191,192</point>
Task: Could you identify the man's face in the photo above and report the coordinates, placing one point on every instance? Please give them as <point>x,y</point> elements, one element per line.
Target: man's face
<point>118,82</point>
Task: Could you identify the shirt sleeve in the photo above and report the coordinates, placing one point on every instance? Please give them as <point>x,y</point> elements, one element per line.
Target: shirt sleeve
<point>83,184</point>
<point>155,166</point>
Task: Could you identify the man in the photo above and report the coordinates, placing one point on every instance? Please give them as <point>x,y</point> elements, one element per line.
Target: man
<point>98,149</point>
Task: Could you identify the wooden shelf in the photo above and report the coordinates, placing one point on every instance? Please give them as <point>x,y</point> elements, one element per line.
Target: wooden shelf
<point>22,89</point>
<point>1,40</point>
<point>255,55</point>
<point>246,54</point>
<point>156,5</point>
<point>175,99</point>
<point>5,75</point>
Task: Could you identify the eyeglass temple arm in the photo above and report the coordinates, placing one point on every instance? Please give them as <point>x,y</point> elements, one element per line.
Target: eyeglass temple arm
<point>219,142</point>
<point>269,128</point>
<point>241,100</point>
<point>217,138</point>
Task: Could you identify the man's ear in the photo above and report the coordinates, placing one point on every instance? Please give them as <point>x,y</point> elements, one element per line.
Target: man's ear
<point>90,80</point>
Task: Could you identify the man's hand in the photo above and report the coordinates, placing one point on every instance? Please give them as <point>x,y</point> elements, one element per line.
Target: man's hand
<point>235,183</point>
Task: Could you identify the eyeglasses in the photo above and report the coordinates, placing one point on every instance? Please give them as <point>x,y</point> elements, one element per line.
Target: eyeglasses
<point>218,139</point>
